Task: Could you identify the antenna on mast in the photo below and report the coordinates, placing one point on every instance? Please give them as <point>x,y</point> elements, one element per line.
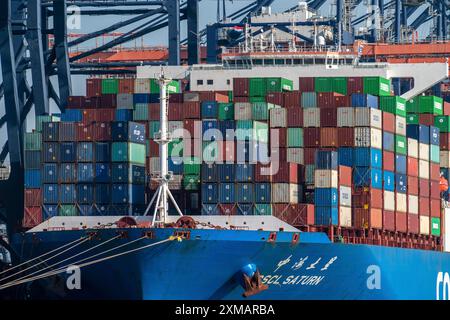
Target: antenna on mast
<point>163,138</point>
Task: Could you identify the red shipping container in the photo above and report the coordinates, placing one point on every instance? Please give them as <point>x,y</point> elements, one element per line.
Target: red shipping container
<point>389,122</point>
<point>413,185</point>
<point>213,96</point>
<point>444,141</point>
<point>261,171</point>
<point>240,99</point>
<point>327,99</point>
<point>105,115</point>
<point>292,99</point>
<point>193,129</point>
<point>282,137</point>
<point>435,192</point>
<point>93,87</point>
<point>102,131</point>
<point>401,221</point>
<point>126,85</point>
<point>412,168</point>
<point>360,218</point>
<point>413,223</point>
<point>342,101</point>
<point>227,209</point>
<point>354,85</point>
<point>91,103</point>
<point>85,132</point>
<point>227,151</point>
<point>345,137</point>
<point>426,119</point>
<point>32,217</point>
<point>176,98</point>
<point>298,214</point>
<point>240,87</point>
<point>175,112</point>
<point>367,198</point>
<point>278,155</point>
<point>424,206</point>
<point>424,187</point>
<point>435,208</point>
<point>107,101</point>
<point>306,84</point>
<point>89,116</point>
<point>389,220</point>
<point>328,137</point>
<point>153,111</point>
<point>311,137</point>
<point>194,148</point>
<point>301,173</point>
<point>446,108</point>
<point>75,102</point>
<point>275,98</point>
<point>309,155</point>
<point>153,148</point>
<point>33,197</point>
<point>287,173</point>
<point>191,110</point>
<point>328,117</point>
<point>294,117</point>
<point>388,161</point>
<point>345,176</point>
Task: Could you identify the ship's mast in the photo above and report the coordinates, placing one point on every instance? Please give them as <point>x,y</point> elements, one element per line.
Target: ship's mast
<point>163,138</point>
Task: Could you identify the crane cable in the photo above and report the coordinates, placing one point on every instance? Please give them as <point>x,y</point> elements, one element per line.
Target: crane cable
<point>59,262</point>
<point>171,238</point>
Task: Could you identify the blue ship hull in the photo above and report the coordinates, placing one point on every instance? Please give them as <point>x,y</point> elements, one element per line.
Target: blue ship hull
<point>208,266</point>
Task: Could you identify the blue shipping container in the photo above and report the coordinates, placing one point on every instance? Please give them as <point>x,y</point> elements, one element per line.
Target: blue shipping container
<point>49,210</point>
<point>245,152</point>
<point>33,178</point>
<point>128,131</point>
<point>366,177</point>
<point>85,152</point>
<point>67,172</point>
<point>261,153</point>
<point>419,132</point>
<point>227,128</point>
<point>50,152</point>
<point>124,115</point>
<point>67,193</point>
<point>345,156</point>
<point>326,215</point>
<point>209,109</point>
<point>85,193</point>
<point>176,165</point>
<point>244,192</point>
<point>388,141</point>
<point>210,130</point>
<point>368,157</point>
<point>400,163</point>
<point>401,183</point>
<point>209,172</point>
<point>85,172</point>
<point>102,152</point>
<point>210,209</point>
<point>263,192</point>
<point>227,193</point>
<point>141,98</point>
<point>72,115</point>
<point>210,193</point>
<point>245,209</point>
<point>326,159</point>
<point>50,131</point>
<point>119,193</point>
<point>32,159</point>
<point>102,193</point>
<point>326,197</point>
<point>50,194</point>
<point>361,100</point>
<point>226,172</point>
<point>103,172</point>
<point>68,152</point>
<point>434,135</point>
<point>244,172</point>
<point>87,210</point>
<point>49,173</point>
<point>389,180</point>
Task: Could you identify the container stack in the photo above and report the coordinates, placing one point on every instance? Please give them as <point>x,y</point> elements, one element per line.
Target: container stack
<point>326,196</point>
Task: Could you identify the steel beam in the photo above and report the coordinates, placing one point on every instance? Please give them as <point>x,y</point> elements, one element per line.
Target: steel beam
<point>397,20</point>
<point>211,40</point>
<point>173,16</point>
<point>193,38</point>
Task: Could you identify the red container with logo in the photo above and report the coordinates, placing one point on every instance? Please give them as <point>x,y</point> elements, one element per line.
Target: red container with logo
<point>33,197</point>
<point>311,137</point>
<point>345,137</point>
<point>328,117</point>
<point>345,176</point>
<point>328,137</point>
<point>240,87</point>
<point>435,208</point>
<point>426,119</point>
<point>389,220</point>
<point>295,117</point>
<point>389,122</point>
<point>354,85</point>
<point>413,185</point>
<point>287,173</point>
<point>309,155</point>
<point>93,87</point>
<point>85,132</point>
<point>424,187</point>
<point>413,223</point>
<point>296,214</point>
<point>292,99</point>
<point>435,192</point>
<point>424,206</point>
<point>32,217</point>
<point>153,111</point>
<point>105,115</point>
<point>401,221</point>
<point>175,112</point>
<point>412,166</point>
<point>275,98</point>
<point>126,85</point>
<point>388,161</point>
<point>102,131</point>
<point>306,84</point>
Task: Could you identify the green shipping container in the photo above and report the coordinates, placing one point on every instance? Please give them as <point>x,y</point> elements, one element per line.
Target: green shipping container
<point>230,96</point>
<point>154,86</point>
<point>261,131</point>
<point>257,87</point>
<point>68,210</point>
<point>435,226</point>
<point>256,99</point>
<point>279,85</point>
<point>191,182</point>
<point>173,87</point>
<point>443,123</point>
<point>339,85</point>
<point>260,110</point>
<point>226,111</point>
<point>110,86</point>
<point>244,130</point>
<point>323,84</point>
<point>401,145</point>
<point>412,106</point>
<point>431,104</point>
<point>191,165</point>
<point>210,151</point>
<point>175,148</point>
<point>44,118</point>
<point>309,173</point>
<point>262,209</point>
<point>153,128</point>
<point>295,137</point>
<point>128,152</point>
<point>434,153</point>
<point>412,119</point>
<point>377,86</point>
<point>393,104</point>
<point>33,141</point>
<point>140,112</point>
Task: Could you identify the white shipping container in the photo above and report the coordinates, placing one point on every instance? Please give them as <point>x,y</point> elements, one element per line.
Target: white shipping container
<point>278,117</point>
<point>242,111</point>
<point>141,85</point>
<point>191,97</point>
<point>345,196</point>
<point>176,182</point>
<point>154,165</point>
<point>444,159</point>
<point>424,151</point>
<point>389,200</point>
<point>311,117</point>
<point>368,137</point>
<point>400,125</point>
<point>413,204</point>
<point>424,169</point>
<point>368,117</point>
<point>125,101</point>
<point>424,225</point>
<point>285,193</point>
<point>345,117</point>
<point>413,148</point>
<point>401,202</point>
<point>345,216</point>
<point>176,129</point>
<point>326,179</point>
<point>295,155</point>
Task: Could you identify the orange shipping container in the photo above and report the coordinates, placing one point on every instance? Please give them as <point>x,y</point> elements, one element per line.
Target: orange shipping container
<point>126,85</point>
<point>345,176</point>
<point>32,217</point>
<point>328,137</point>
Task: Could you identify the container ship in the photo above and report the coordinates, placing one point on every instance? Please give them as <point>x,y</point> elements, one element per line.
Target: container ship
<point>265,177</point>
